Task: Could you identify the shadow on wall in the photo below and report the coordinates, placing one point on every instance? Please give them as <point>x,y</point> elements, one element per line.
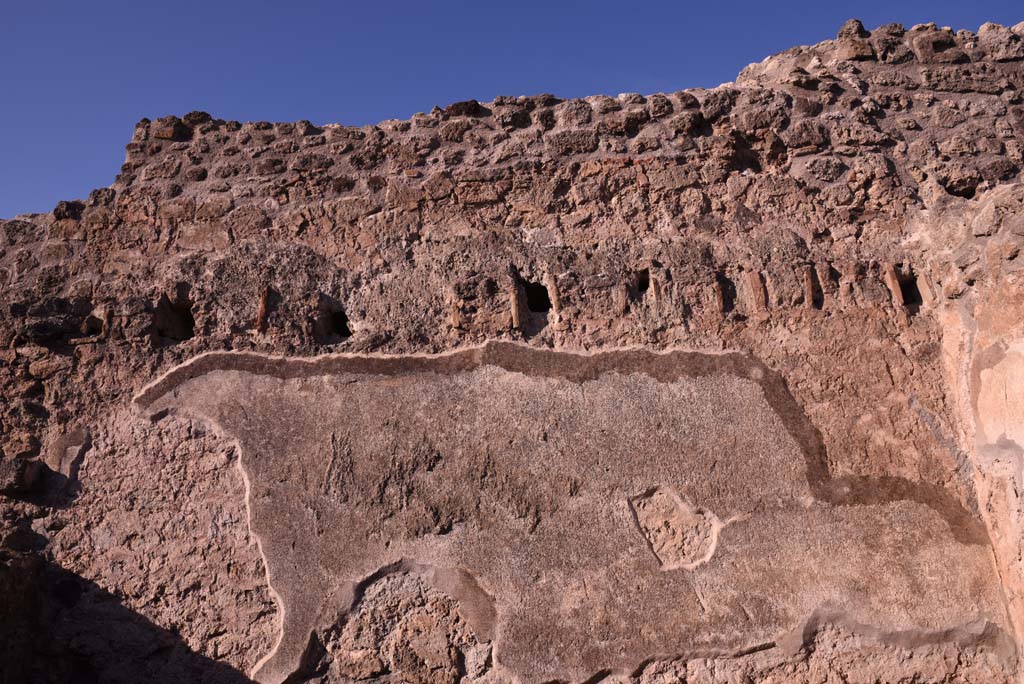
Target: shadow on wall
<point>59,628</point>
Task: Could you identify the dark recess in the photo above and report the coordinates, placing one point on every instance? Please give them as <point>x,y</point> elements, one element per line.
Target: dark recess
<point>537,298</point>
<point>173,321</point>
<point>817,295</point>
<point>728,289</point>
<point>330,326</point>
<point>909,290</point>
<point>639,284</point>
<point>643,281</point>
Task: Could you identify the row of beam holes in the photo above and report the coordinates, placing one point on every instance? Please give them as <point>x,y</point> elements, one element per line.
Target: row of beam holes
<point>538,300</point>
<point>173,321</point>
<point>329,324</point>
<point>910,292</point>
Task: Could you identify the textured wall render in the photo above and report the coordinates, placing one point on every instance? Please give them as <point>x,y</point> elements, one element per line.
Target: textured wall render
<point>846,216</point>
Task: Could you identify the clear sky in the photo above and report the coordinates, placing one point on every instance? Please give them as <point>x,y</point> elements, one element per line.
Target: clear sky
<point>75,76</point>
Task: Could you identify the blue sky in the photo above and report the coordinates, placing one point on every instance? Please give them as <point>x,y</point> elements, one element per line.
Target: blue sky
<point>76,76</point>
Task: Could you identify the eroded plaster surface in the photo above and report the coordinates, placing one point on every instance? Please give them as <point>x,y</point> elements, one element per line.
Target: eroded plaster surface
<point>584,513</point>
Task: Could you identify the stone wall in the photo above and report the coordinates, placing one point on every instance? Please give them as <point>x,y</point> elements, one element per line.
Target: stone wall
<point>848,213</point>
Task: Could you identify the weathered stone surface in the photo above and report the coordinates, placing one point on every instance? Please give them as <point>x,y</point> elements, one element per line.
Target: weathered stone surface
<point>355,464</point>
<point>844,219</point>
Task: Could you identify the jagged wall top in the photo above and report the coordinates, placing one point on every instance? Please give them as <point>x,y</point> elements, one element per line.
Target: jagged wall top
<point>823,155</point>
<point>832,97</point>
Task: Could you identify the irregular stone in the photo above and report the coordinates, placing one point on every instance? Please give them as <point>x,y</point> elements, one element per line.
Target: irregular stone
<point>170,128</point>
<point>852,30</point>
<point>1000,43</point>
<point>467,108</point>
<point>572,142</point>
<point>932,45</point>
<point>68,210</point>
